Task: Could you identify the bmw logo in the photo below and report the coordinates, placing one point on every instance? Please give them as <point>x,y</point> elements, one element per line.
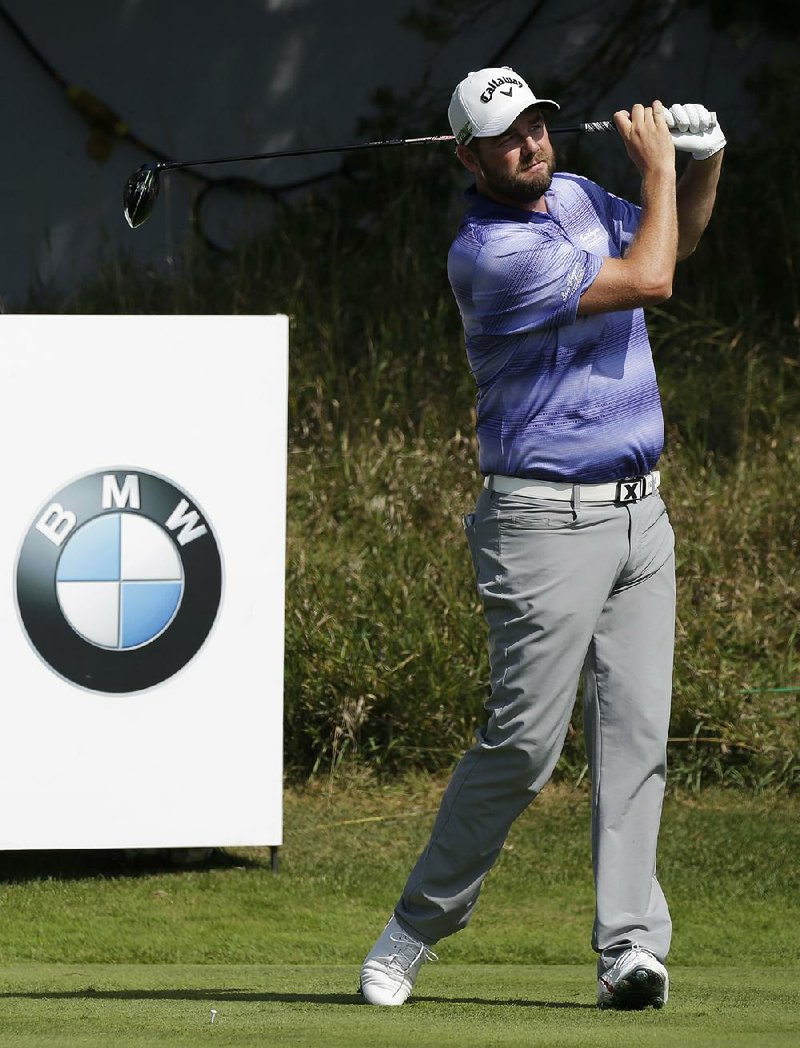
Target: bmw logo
<point>119,580</point>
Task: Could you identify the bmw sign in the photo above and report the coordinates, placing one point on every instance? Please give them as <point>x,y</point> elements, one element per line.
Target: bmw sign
<point>118,580</point>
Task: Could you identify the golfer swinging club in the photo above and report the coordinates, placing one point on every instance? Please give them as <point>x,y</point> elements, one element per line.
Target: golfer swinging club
<point>570,540</point>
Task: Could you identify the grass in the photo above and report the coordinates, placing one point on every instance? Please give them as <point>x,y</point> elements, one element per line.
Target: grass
<point>386,647</point>
<point>100,952</point>
<point>349,847</point>
<point>459,1006</point>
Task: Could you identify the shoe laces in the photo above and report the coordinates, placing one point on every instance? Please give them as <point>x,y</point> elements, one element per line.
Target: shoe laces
<point>409,952</point>
<point>633,948</point>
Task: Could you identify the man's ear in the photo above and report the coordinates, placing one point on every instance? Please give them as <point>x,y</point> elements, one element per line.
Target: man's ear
<point>468,159</point>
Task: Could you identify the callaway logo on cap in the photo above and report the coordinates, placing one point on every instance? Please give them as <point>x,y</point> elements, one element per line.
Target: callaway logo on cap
<point>488,101</point>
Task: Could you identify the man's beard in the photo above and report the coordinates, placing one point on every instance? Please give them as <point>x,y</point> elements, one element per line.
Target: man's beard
<point>520,188</point>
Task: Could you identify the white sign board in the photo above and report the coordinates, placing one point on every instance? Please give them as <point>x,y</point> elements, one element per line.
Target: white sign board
<point>142,540</point>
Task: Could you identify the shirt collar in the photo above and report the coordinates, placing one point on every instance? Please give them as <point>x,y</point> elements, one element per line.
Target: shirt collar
<point>481,206</point>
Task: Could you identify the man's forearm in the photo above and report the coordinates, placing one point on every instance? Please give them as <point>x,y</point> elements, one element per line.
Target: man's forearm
<point>653,250</point>
<point>696,193</point>
<point>644,276</point>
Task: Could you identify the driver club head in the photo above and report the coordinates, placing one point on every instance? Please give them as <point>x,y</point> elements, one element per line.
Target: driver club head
<point>141,191</point>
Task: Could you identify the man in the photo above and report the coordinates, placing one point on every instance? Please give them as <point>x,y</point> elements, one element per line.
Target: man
<point>571,543</point>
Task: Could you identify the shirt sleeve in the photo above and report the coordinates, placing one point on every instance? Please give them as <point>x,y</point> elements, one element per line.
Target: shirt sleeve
<point>623,220</point>
<point>530,283</point>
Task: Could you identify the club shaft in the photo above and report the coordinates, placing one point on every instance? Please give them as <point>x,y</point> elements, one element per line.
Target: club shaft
<point>301,152</point>
<point>600,125</point>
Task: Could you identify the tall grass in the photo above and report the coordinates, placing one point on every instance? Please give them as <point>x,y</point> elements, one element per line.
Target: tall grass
<point>385,656</point>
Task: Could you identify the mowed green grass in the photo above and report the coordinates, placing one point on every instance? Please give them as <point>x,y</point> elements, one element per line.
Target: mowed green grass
<point>98,953</point>
<point>315,1005</point>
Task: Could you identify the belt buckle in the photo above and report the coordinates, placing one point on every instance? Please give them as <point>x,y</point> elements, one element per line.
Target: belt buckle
<point>631,490</point>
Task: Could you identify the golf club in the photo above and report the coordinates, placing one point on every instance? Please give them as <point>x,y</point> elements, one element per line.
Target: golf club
<point>141,189</point>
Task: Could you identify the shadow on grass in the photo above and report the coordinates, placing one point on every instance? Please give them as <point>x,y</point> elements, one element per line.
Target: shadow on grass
<point>233,995</point>
<point>512,1001</point>
<point>22,866</point>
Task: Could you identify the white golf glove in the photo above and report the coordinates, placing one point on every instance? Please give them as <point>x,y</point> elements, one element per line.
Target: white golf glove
<point>694,130</point>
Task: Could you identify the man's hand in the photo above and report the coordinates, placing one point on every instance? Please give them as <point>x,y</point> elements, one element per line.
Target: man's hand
<point>647,138</point>
<point>644,276</point>
<point>694,130</point>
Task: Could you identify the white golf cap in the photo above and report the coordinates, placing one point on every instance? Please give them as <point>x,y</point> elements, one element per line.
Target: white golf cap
<point>488,101</point>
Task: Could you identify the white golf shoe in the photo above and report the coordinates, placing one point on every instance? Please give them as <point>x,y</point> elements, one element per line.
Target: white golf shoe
<point>390,968</point>
<point>636,980</point>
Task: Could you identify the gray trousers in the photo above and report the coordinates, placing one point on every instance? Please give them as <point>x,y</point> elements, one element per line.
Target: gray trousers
<point>565,587</point>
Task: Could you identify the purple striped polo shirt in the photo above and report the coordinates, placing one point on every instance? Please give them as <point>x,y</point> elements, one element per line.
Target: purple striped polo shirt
<point>560,397</point>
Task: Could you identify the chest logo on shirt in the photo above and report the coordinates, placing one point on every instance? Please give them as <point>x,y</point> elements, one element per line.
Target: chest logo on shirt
<point>119,580</point>
<point>592,238</point>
